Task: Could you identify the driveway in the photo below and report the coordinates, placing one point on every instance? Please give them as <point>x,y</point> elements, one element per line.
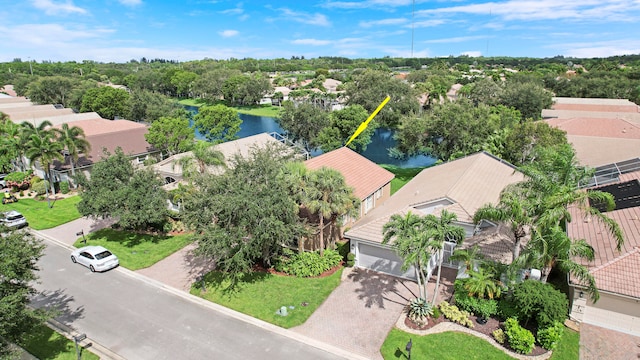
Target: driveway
<point>361,311</point>
<point>600,343</point>
<point>66,233</point>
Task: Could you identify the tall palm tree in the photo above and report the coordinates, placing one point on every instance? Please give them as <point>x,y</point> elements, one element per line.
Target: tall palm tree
<point>11,144</point>
<point>73,140</point>
<point>202,156</point>
<point>42,147</point>
<point>438,231</point>
<point>328,195</point>
<point>410,243</point>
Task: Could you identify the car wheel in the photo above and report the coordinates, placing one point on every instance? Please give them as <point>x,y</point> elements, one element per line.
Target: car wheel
<point>91,268</point>
<point>73,259</point>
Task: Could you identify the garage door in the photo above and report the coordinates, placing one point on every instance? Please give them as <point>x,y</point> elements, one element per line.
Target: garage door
<point>382,260</point>
<point>615,313</point>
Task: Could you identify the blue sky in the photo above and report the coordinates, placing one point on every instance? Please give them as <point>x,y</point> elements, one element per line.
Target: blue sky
<point>121,30</point>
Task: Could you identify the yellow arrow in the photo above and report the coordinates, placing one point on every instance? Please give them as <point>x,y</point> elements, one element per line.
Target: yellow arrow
<point>366,122</point>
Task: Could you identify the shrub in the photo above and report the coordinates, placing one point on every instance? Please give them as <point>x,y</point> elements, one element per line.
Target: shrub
<point>499,335</point>
<point>436,313</point>
<point>306,264</point>
<point>21,193</point>
<point>549,337</point>
<point>520,339</point>
<point>540,302</point>
<point>351,259</point>
<point>456,315</point>
<point>19,179</point>
<point>483,308</point>
<point>39,187</point>
<point>418,310</point>
<point>506,308</point>
<point>64,187</point>
<point>35,180</point>
<point>343,247</point>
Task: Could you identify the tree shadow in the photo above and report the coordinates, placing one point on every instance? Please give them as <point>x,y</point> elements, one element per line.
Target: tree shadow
<point>376,288</point>
<point>60,304</point>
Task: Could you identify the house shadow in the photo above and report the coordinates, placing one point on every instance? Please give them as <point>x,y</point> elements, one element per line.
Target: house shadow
<point>378,289</point>
<point>60,304</point>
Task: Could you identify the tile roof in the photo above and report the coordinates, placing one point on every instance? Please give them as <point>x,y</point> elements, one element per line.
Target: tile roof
<point>97,126</point>
<point>600,127</point>
<point>460,186</point>
<point>494,242</point>
<point>596,151</point>
<point>608,261</point>
<point>621,275</point>
<point>365,176</point>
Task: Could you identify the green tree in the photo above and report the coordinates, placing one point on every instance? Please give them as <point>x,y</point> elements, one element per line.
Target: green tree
<point>134,197</point>
<point>74,142</point>
<point>303,122</point>
<point>482,284</point>
<point>342,124</point>
<point>203,155</point>
<point>108,102</point>
<point>173,135</point>
<point>217,123</point>
<point>43,147</point>
<point>18,273</point>
<point>183,81</point>
<point>12,147</point>
<point>523,141</point>
<point>244,216</point>
<point>148,106</point>
<point>327,195</point>
<point>527,97</point>
<point>51,90</point>
<point>371,87</point>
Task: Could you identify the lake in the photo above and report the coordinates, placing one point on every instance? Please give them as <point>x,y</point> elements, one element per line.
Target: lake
<point>377,150</point>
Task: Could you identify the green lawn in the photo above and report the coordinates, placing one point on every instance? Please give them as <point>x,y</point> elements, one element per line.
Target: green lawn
<point>44,343</point>
<point>260,295</point>
<point>41,217</point>
<point>257,110</point>
<point>136,251</point>
<point>455,345</point>
<point>403,175</point>
<point>448,345</point>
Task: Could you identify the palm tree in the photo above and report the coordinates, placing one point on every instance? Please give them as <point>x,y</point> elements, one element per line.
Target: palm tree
<point>468,257</point>
<point>42,147</point>
<point>73,140</point>
<point>482,283</point>
<point>552,248</point>
<point>11,144</point>
<point>439,230</point>
<point>410,243</point>
<point>202,156</point>
<point>328,195</point>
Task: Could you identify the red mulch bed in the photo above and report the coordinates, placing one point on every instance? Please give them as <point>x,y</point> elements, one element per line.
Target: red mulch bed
<point>487,329</point>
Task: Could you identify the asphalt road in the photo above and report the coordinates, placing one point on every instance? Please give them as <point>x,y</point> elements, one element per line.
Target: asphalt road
<point>138,320</point>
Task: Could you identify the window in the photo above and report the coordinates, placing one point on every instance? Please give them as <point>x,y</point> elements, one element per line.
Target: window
<point>368,204</point>
<point>141,158</point>
<point>379,193</point>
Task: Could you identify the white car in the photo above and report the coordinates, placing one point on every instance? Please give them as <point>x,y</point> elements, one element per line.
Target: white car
<point>96,258</point>
<point>13,219</point>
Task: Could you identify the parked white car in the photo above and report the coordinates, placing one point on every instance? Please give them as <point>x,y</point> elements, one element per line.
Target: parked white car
<point>96,258</point>
<point>13,219</point>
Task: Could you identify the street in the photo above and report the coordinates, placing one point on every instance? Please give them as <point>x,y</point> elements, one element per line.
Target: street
<point>138,320</point>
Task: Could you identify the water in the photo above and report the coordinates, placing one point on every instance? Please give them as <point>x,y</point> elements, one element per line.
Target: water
<point>377,150</point>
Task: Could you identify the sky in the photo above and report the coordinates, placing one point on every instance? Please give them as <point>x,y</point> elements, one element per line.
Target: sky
<point>122,30</point>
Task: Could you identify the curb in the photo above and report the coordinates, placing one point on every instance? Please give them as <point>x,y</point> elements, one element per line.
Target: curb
<point>216,307</point>
<point>87,344</point>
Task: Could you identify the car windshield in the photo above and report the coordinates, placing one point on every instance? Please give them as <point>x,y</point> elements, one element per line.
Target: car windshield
<point>15,217</point>
<point>103,255</point>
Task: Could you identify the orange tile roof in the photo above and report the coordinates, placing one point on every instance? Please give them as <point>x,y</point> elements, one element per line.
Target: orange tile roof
<point>102,126</point>
<point>600,127</point>
<point>632,108</point>
<point>620,276</point>
<point>362,174</point>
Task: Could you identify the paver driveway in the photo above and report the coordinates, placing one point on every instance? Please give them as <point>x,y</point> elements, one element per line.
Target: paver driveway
<point>361,311</point>
<point>600,343</point>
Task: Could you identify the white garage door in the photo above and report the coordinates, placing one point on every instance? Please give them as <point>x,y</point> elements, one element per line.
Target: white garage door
<point>382,260</point>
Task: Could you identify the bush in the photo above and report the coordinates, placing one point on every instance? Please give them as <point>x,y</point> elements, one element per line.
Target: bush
<point>21,193</point>
<point>499,335</point>
<point>540,302</point>
<point>456,315</point>
<point>507,309</point>
<point>39,187</point>
<point>520,339</point>
<point>436,313</point>
<point>306,264</point>
<point>483,308</point>
<point>343,248</point>
<point>549,337</point>
<point>64,187</point>
<point>351,259</point>
<point>35,180</point>
<point>418,310</point>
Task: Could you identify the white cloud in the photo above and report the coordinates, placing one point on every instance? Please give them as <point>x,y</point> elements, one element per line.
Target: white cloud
<point>305,18</point>
<point>376,4</point>
<point>228,33</point>
<point>313,42</point>
<point>130,2</point>
<point>383,22</point>
<point>599,48</point>
<point>471,53</point>
<point>51,8</point>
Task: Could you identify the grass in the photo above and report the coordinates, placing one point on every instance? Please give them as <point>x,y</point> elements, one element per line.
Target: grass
<point>136,251</point>
<point>45,343</point>
<point>261,294</point>
<point>41,217</point>
<point>569,346</point>
<point>403,176</point>
<point>456,345</point>
<point>448,345</point>
<point>257,110</point>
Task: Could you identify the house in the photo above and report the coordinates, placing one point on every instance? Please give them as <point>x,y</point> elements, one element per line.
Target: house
<point>460,186</point>
<point>617,273</point>
<point>370,182</point>
<point>596,124</point>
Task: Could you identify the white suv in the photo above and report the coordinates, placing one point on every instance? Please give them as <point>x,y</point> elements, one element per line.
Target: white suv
<point>3,182</point>
<point>13,220</point>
